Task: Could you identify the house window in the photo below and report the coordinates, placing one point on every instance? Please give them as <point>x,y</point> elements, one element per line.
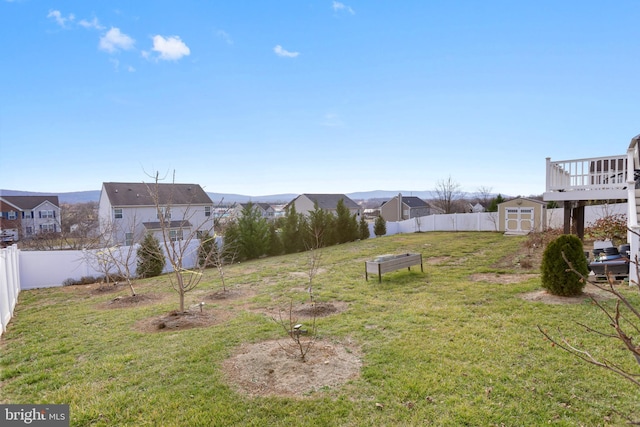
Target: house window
<point>47,228</point>
<point>128,239</point>
<point>117,213</point>
<point>29,231</point>
<point>165,212</point>
<point>207,211</point>
<point>47,214</point>
<point>27,214</point>
<point>175,235</point>
<point>12,215</point>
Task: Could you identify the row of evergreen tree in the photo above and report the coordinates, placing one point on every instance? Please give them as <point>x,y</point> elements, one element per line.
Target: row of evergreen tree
<point>252,236</point>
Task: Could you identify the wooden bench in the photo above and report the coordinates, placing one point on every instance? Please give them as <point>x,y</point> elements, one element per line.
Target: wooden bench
<point>386,263</point>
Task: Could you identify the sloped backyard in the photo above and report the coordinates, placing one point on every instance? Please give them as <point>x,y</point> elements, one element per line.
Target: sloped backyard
<point>455,345</point>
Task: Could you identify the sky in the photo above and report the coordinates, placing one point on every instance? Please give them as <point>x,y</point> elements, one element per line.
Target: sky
<point>295,96</point>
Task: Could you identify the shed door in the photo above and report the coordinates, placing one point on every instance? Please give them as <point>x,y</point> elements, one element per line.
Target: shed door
<point>519,219</point>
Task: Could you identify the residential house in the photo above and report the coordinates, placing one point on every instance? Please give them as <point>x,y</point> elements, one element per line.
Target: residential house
<point>265,210</point>
<point>402,207</point>
<point>476,208</point>
<point>26,216</point>
<point>573,183</point>
<point>306,203</point>
<point>129,210</point>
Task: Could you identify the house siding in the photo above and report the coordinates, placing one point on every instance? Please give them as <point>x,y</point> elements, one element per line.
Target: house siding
<point>30,215</point>
<point>134,217</point>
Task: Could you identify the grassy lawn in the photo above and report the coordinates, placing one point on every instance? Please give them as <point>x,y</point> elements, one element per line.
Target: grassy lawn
<point>437,348</point>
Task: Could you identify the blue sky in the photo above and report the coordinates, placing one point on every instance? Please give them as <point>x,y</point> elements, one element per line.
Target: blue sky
<point>294,96</point>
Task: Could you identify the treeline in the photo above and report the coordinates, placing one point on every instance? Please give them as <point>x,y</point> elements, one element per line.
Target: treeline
<point>252,236</point>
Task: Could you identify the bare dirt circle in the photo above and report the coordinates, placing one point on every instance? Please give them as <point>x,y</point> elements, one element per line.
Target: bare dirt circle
<point>274,368</point>
<point>176,320</point>
<point>124,301</point>
<point>590,291</point>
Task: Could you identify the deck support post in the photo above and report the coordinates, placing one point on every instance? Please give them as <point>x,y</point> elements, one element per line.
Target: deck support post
<point>574,218</point>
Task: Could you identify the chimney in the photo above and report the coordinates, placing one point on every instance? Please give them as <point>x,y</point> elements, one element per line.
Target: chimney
<point>399,206</point>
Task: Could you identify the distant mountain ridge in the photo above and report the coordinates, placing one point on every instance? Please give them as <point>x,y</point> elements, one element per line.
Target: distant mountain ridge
<point>94,196</point>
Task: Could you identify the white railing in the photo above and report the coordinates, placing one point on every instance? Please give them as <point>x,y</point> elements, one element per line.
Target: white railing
<point>595,173</point>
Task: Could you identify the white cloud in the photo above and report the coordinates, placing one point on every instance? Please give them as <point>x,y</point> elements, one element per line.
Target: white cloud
<point>114,40</point>
<point>284,53</point>
<point>61,20</point>
<point>224,36</point>
<point>131,69</point>
<point>91,24</point>
<point>337,7</point>
<point>171,48</point>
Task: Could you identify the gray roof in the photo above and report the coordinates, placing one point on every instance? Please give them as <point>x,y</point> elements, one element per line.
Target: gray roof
<point>30,202</point>
<point>330,201</point>
<point>414,202</point>
<point>140,194</point>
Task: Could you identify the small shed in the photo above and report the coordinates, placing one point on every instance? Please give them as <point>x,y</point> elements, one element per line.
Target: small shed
<point>522,215</point>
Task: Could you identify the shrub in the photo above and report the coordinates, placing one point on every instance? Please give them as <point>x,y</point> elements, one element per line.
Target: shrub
<point>380,226</point>
<point>363,228</point>
<point>88,280</point>
<point>611,227</point>
<point>70,282</point>
<point>557,278</point>
<point>150,257</point>
<point>205,250</point>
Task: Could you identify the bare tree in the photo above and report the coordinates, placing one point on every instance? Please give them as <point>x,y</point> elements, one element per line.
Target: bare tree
<point>303,339</point>
<point>222,254</point>
<point>624,320</point>
<point>484,195</point>
<point>447,193</point>
<point>179,237</point>
<point>102,260</point>
<point>123,258</point>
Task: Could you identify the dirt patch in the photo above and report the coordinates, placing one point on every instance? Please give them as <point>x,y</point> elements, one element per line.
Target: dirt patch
<point>130,301</point>
<point>305,274</point>
<point>502,279</point>
<point>176,320</point>
<point>547,298</point>
<point>305,310</point>
<point>102,288</point>
<point>320,309</point>
<point>228,294</point>
<point>437,260</point>
<point>272,368</point>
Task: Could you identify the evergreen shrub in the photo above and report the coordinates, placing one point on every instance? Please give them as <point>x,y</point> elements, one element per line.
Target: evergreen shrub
<point>557,278</point>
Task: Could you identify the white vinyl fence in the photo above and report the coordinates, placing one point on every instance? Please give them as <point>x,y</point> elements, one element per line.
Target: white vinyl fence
<point>22,270</point>
<point>488,221</point>
<point>9,284</point>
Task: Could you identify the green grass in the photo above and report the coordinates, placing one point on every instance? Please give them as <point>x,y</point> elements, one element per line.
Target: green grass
<point>437,348</point>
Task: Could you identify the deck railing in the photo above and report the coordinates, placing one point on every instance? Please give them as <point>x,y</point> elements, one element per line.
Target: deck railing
<point>595,173</point>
